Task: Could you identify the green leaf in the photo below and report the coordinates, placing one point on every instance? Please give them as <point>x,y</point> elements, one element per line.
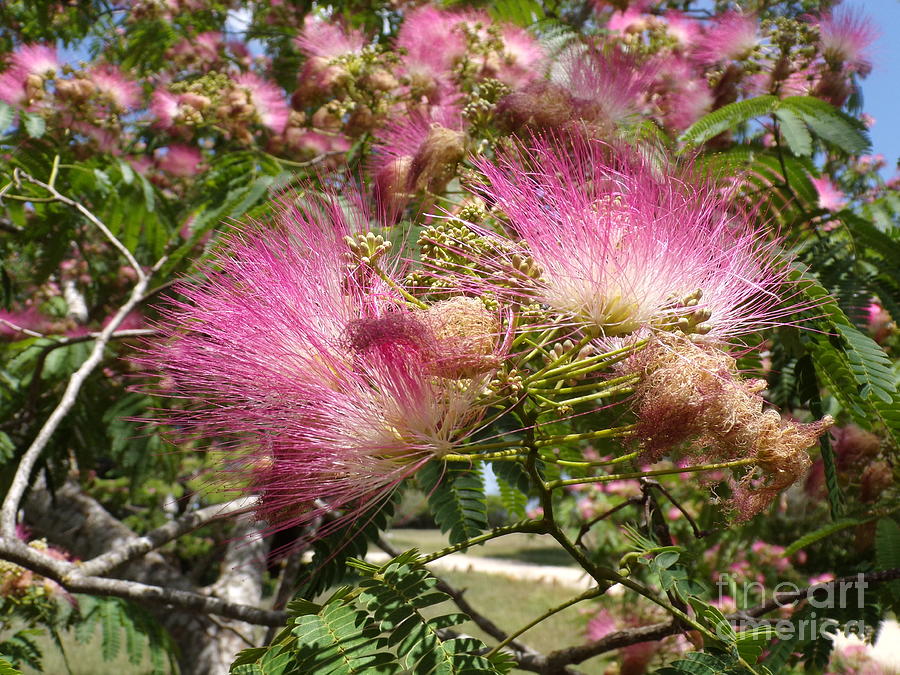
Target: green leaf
<point>728,117</point>
<point>520,12</point>
<point>887,551</point>
<point>111,641</point>
<point>397,595</point>
<point>6,116</point>
<point>794,132</point>
<point>666,559</point>
<point>821,533</point>
<point>870,365</point>
<point>35,125</point>
<point>456,498</point>
<point>750,643</point>
<point>713,618</point>
<point>698,663</point>
<point>829,123</point>
<point>6,668</point>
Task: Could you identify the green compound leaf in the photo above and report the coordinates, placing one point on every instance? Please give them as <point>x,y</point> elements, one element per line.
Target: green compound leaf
<point>829,123</point>
<point>456,498</point>
<point>397,595</point>
<point>822,533</point>
<point>698,663</point>
<point>339,639</point>
<point>728,117</point>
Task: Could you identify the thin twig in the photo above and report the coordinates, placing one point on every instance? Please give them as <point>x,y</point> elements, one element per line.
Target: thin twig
<point>96,222</point>
<point>585,528</point>
<point>21,329</point>
<point>29,458</point>
<point>698,533</point>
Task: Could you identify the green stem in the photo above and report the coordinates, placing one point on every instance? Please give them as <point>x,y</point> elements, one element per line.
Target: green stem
<point>559,389</point>
<point>509,455</point>
<point>525,526</point>
<point>53,171</point>
<point>565,356</point>
<point>546,337</point>
<point>587,465</point>
<point>402,291</point>
<point>643,474</point>
<point>602,433</point>
<point>587,595</point>
<point>603,393</point>
<point>586,365</point>
<point>652,597</point>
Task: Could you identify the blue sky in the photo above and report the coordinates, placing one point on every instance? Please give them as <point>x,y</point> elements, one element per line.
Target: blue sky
<point>881,90</point>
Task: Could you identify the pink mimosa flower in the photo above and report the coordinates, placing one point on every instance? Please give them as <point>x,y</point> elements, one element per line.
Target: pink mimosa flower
<point>682,28</point>
<point>12,87</point>
<point>829,196</point>
<point>165,106</point>
<point>181,160</point>
<point>322,42</point>
<point>35,60</point>
<point>625,245</point>
<point>845,35</point>
<point>731,36</point>
<point>522,57</point>
<point>22,81</point>
<point>429,69</point>
<point>123,93</point>
<point>268,100</point>
<point>327,39</point>
<point>321,384</point>
<point>630,20</point>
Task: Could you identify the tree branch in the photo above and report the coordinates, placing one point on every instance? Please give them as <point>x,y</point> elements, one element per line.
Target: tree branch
<point>155,538</point>
<point>29,459</point>
<point>69,576</point>
<point>657,631</point>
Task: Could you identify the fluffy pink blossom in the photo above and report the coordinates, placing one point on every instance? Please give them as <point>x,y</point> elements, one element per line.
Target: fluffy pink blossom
<point>684,96</point>
<point>328,39</point>
<point>630,20</point>
<point>308,369</point>
<point>35,60</point>
<point>429,69</point>
<point>731,36</point>
<point>681,27</point>
<point>606,85</point>
<point>829,196</point>
<point>322,42</point>
<point>268,100</point>
<point>164,106</point>
<point>123,93</point>
<point>181,160</point>
<point>408,152</point>
<point>623,244</point>
<point>845,36</point>
<point>12,87</point>
<point>522,55</point>
<point>22,81</point>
